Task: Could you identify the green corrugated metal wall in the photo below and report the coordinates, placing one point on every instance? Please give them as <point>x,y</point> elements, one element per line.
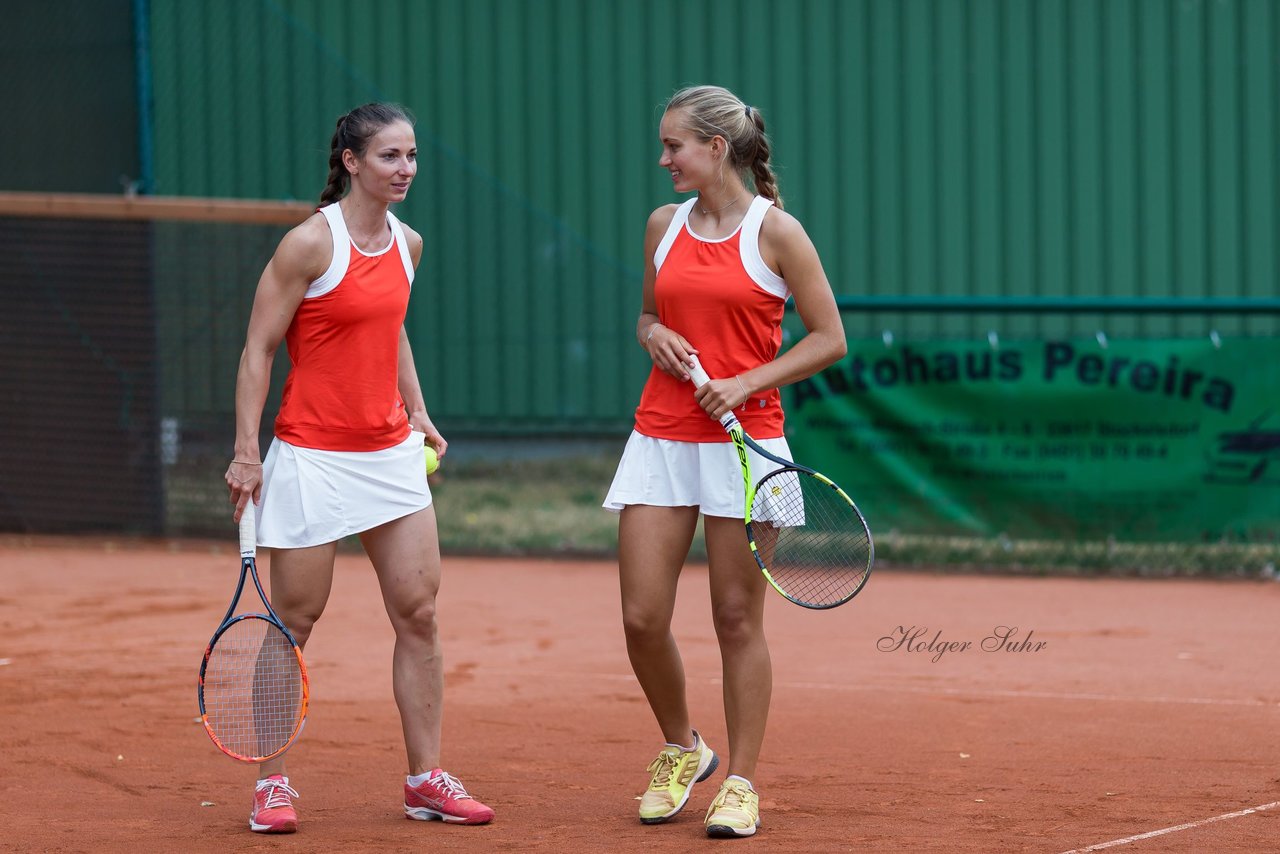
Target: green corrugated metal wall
<point>69,94</point>
<point>932,147</point>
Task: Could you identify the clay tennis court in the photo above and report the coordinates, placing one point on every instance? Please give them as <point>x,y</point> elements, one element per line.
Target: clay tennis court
<point>1152,704</point>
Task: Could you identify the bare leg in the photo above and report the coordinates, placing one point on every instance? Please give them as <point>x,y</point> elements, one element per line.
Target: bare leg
<point>300,583</point>
<point>406,556</point>
<point>737,605</point>
<point>652,545</point>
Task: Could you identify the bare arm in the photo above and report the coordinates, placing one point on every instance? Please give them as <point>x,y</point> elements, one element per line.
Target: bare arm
<point>783,238</point>
<point>415,405</point>
<point>302,256</point>
<point>410,388</point>
<point>667,348</point>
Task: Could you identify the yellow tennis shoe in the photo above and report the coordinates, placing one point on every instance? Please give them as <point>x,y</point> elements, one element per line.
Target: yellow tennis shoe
<point>735,811</point>
<point>674,773</point>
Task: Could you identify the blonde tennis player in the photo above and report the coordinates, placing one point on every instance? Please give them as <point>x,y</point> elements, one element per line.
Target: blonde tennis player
<point>719,269</point>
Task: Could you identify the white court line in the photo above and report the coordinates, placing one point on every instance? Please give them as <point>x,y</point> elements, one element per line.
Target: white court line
<point>1113,843</point>
<point>919,689</point>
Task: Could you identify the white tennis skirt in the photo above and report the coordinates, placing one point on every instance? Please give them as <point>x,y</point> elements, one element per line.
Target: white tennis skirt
<point>667,473</point>
<point>312,497</point>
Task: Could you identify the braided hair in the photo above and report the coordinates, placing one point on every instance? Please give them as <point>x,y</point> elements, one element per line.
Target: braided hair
<point>715,111</point>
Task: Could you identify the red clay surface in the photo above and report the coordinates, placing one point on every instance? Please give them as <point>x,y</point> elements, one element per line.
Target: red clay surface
<point>1152,704</point>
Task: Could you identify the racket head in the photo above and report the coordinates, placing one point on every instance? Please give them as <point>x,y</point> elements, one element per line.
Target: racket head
<point>253,688</point>
<point>809,538</point>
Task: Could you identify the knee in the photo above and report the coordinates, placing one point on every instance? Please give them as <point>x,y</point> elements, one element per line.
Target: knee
<point>736,623</point>
<point>299,624</point>
<point>644,627</point>
<point>419,620</point>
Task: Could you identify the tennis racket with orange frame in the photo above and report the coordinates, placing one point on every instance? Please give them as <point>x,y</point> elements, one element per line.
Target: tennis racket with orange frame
<point>253,688</point>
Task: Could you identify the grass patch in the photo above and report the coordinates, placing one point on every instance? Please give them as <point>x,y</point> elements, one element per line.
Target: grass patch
<point>539,506</point>
<point>547,506</point>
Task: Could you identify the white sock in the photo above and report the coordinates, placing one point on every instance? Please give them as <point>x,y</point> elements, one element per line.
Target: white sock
<point>417,780</point>
<point>682,747</point>
<point>743,779</point>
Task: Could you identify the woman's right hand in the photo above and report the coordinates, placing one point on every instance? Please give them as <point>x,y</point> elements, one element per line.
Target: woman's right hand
<point>670,351</point>
<point>244,480</point>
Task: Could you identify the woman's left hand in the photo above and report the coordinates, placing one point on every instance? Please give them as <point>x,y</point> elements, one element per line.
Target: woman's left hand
<point>421,423</point>
<point>720,396</point>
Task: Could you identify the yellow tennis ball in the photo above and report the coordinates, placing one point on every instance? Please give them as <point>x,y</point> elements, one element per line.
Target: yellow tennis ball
<point>433,461</point>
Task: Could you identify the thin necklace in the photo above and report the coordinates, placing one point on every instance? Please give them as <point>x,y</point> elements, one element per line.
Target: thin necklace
<point>706,212</point>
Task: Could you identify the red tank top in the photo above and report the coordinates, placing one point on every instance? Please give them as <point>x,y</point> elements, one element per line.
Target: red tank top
<point>342,392</point>
<point>722,297</point>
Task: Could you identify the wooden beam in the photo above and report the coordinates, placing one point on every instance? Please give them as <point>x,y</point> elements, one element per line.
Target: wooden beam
<point>86,206</point>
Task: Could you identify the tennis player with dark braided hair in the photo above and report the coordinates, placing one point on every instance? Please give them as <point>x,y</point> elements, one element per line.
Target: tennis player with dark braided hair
<point>347,458</point>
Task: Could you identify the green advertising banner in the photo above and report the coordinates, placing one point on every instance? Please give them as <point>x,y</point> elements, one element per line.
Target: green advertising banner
<point>1148,440</point>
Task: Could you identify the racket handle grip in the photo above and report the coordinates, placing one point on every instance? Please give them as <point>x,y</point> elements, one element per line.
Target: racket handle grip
<point>248,531</point>
<point>700,378</point>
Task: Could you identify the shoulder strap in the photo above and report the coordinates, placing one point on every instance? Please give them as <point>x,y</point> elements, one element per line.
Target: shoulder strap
<point>677,223</point>
<point>341,253</point>
<point>749,247</point>
<point>402,243</point>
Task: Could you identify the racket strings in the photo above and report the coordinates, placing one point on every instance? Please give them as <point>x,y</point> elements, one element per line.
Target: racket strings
<point>253,689</point>
<point>810,538</point>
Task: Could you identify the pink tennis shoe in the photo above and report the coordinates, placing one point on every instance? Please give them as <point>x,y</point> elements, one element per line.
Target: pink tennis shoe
<point>273,810</point>
<point>442,798</point>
